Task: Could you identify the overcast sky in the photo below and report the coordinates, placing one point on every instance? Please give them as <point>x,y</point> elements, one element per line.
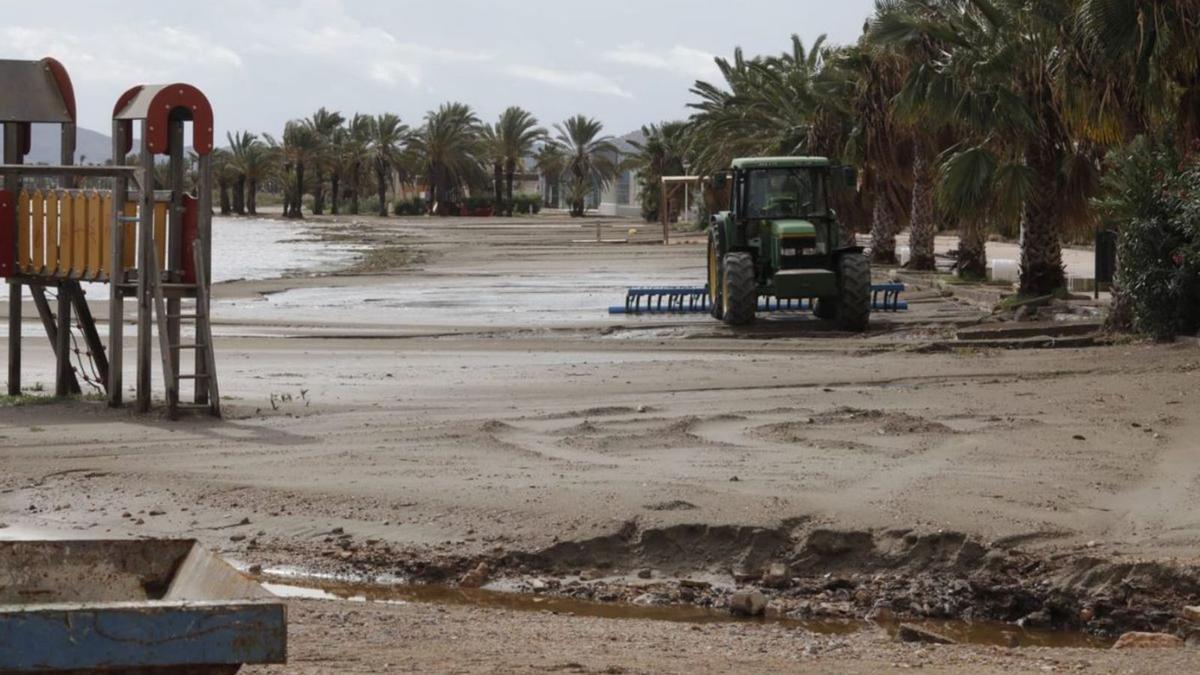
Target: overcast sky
<point>262,62</point>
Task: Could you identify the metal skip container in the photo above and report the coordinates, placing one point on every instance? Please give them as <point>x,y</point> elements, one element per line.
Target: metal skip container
<point>158,606</point>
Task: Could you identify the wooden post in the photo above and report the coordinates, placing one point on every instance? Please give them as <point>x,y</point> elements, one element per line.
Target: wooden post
<point>12,183</point>
<point>174,246</point>
<point>63,374</point>
<point>664,211</point>
<point>62,345</point>
<point>116,294</point>
<point>144,269</point>
<point>88,325</point>
<point>38,292</point>
<point>204,265</point>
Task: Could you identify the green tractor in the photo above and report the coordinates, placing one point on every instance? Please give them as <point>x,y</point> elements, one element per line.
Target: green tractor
<point>780,238</point>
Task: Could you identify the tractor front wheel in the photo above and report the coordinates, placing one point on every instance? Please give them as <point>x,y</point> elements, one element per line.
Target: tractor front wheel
<point>739,291</point>
<point>825,308</point>
<point>715,303</point>
<point>854,280</point>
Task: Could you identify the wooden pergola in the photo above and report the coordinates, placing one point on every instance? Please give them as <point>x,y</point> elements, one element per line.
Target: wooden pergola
<point>670,187</point>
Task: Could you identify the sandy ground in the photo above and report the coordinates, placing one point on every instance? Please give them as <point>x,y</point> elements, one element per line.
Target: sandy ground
<point>480,401</point>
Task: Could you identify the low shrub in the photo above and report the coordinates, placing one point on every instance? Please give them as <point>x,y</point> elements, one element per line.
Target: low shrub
<point>413,206</point>
<point>525,203</point>
<point>1154,200</point>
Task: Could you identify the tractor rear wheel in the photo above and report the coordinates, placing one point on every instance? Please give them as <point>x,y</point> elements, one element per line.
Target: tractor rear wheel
<point>854,280</point>
<point>739,291</point>
<point>715,303</point>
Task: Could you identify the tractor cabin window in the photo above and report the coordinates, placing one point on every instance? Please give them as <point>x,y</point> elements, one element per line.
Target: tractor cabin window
<point>784,193</point>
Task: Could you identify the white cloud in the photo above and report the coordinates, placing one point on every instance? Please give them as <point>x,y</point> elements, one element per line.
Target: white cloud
<point>324,30</point>
<point>679,59</point>
<point>573,80</point>
<point>159,53</point>
<point>390,73</point>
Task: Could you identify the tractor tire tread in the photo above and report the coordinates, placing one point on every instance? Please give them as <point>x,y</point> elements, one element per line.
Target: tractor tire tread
<point>854,303</point>
<point>739,289</point>
<point>716,308</point>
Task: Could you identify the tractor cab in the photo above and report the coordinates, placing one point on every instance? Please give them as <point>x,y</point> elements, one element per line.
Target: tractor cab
<point>780,238</point>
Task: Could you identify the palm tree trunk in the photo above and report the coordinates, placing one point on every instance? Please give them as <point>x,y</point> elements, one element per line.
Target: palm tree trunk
<point>334,180</point>
<point>498,188</point>
<point>381,179</point>
<point>239,195</point>
<point>923,228</point>
<point>972,250</point>
<point>319,193</point>
<point>354,182</point>
<point>298,197</point>
<point>252,196</point>
<point>1041,250</point>
<point>510,168</point>
<point>225,208</point>
<point>883,229</point>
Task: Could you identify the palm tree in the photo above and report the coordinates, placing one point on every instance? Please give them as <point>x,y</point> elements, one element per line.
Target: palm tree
<point>551,162</point>
<point>916,33</point>
<point>446,150</point>
<point>385,148</point>
<point>518,131</point>
<point>591,158</point>
<point>352,143</point>
<point>324,125</point>
<point>299,143</point>
<point>662,152</point>
<point>225,175</point>
<point>1001,80</point>
<point>879,142</point>
<point>491,153</point>
<point>1142,62</point>
<point>240,144</point>
<point>258,162</point>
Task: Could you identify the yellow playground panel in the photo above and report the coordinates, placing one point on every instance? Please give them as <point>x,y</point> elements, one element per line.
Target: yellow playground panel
<point>65,234</point>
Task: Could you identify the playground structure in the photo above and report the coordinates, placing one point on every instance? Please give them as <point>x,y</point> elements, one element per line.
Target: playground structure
<point>153,246</point>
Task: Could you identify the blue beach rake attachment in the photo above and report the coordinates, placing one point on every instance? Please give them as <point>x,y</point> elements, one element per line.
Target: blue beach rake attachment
<point>694,300</point>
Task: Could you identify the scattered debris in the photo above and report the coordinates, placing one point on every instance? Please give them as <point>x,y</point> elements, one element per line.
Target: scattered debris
<point>1137,640</point>
<point>747,602</point>
<point>477,577</point>
<point>912,633</point>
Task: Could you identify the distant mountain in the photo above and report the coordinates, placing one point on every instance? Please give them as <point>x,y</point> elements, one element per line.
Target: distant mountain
<point>91,147</point>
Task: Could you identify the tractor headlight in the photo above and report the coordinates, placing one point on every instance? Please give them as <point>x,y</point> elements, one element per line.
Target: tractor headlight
<point>788,251</point>
<point>811,251</point>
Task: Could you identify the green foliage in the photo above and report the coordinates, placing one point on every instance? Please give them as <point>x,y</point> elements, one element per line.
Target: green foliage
<point>413,206</point>
<point>590,158</point>
<point>525,203</point>
<point>1155,201</point>
<point>661,153</point>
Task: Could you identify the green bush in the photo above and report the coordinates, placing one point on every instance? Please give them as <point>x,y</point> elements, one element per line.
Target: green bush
<point>1155,201</point>
<point>525,203</point>
<point>413,206</point>
<point>481,202</point>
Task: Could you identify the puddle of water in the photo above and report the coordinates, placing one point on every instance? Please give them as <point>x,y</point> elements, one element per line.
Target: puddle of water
<point>966,632</point>
<point>257,248</point>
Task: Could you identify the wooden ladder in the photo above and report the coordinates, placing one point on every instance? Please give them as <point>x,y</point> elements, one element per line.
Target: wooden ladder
<point>207,396</point>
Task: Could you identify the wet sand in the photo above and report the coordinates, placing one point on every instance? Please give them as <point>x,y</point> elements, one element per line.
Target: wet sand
<point>479,401</point>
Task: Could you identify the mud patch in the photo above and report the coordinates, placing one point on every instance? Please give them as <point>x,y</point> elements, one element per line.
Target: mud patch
<point>616,437</point>
<point>891,422</point>
<point>673,505</point>
<point>599,411</point>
